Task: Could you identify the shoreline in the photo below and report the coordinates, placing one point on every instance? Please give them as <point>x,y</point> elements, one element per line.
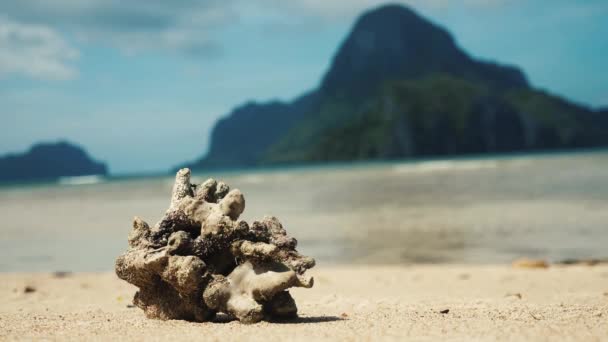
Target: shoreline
<point>489,302</point>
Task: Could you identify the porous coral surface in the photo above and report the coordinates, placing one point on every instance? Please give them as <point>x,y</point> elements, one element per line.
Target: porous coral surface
<point>200,259</point>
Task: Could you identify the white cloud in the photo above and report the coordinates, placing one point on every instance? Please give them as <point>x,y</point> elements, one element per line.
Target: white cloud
<point>131,26</point>
<point>37,51</point>
<point>33,32</point>
<point>31,42</point>
<point>182,26</point>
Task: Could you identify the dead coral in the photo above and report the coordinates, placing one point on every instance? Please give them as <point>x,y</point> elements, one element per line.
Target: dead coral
<point>201,259</point>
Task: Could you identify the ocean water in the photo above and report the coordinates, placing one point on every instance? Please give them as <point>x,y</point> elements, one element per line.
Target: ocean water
<point>480,210</point>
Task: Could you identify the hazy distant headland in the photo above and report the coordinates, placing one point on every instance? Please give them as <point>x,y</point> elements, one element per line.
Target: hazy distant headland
<point>49,161</point>
<point>400,87</point>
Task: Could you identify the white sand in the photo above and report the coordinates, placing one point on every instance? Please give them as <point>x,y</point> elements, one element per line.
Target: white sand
<point>347,303</point>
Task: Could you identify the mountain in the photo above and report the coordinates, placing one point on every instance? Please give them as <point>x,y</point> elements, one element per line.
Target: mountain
<point>49,161</point>
<point>394,43</point>
<point>242,137</point>
<point>399,86</point>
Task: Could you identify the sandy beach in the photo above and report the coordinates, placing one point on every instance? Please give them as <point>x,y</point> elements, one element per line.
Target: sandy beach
<point>416,251</point>
<point>347,303</point>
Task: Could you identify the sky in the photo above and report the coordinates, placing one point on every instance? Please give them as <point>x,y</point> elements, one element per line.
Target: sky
<point>139,84</point>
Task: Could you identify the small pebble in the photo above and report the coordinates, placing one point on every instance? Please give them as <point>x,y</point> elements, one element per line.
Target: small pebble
<point>518,295</point>
<point>444,311</point>
<point>61,274</point>
<point>29,289</point>
<point>530,263</point>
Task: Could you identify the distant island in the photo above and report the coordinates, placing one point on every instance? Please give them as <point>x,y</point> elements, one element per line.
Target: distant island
<point>400,87</point>
<point>49,161</point>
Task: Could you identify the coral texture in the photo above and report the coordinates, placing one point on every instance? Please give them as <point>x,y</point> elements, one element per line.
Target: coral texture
<point>200,259</point>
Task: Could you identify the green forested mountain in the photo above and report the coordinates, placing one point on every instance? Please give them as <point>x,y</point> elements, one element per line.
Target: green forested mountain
<point>399,87</point>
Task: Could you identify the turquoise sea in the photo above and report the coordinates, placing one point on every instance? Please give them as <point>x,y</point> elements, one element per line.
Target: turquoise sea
<point>469,210</point>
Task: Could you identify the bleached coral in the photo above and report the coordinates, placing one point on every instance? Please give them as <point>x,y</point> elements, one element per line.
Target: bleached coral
<point>201,259</point>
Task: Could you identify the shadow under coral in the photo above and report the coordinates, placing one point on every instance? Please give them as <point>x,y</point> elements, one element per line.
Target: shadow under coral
<point>222,318</point>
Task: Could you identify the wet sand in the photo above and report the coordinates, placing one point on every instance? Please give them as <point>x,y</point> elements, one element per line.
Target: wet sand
<point>488,302</point>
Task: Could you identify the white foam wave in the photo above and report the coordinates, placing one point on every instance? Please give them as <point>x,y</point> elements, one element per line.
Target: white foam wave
<point>81,180</point>
<point>445,165</point>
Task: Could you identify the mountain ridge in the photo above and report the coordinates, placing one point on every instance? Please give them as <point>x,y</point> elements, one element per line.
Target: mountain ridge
<point>393,41</point>
<point>399,86</point>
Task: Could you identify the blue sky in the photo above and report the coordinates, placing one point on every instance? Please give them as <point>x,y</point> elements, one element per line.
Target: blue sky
<point>139,84</point>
